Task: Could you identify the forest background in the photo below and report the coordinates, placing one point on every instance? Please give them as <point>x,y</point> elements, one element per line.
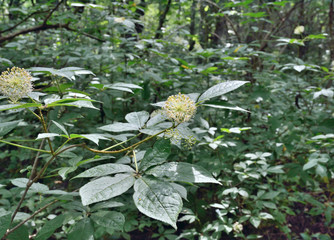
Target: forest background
<point>263,153</point>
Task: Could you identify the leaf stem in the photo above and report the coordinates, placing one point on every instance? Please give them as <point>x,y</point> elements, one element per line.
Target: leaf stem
<point>128,148</point>
<point>58,149</point>
<point>45,130</point>
<point>135,159</point>
<point>120,143</point>
<point>21,146</point>
<point>33,170</point>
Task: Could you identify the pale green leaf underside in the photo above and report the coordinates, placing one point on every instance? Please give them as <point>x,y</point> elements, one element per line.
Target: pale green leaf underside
<point>105,169</point>
<point>61,127</point>
<point>236,108</point>
<point>184,172</point>
<point>105,188</point>
<point>119,127</point>
<point>158,200</point>
<point>137,119</point>
<point>220,89</point>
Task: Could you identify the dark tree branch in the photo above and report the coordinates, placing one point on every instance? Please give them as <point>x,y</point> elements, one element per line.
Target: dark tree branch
<point>277,27</point>
<point>227,19</point>
<point>192,25</point>
<point>32,29</point>
<point>52,11</point>
<point>19,23</point>
<point>162,20</point>
<point>43,28</point>
<point>33,171</point>
<point>331,30</point>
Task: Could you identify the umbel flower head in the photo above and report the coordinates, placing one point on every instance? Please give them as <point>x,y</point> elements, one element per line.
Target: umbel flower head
<point>15,83</point>
<point>180,108</point>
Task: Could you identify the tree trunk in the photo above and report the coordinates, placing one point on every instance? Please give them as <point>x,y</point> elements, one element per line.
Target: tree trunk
<point>331,30</point>
<point>162,19</point>
<point>192,25</point>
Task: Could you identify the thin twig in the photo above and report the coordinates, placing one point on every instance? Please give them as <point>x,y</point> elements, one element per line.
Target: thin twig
<point>227,19</point>
<point>34,167</point>
<point>277,27</point>
<point>52,11</point>
<point>45,129</point>
<point>25,19</point>
<point>26,220</point>
<point>41,172</point>
<point>128,148</point>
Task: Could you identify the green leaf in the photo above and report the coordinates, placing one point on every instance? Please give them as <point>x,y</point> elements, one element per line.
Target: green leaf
<point>318,36</point>
<point>109,219</point>
<point>310,164</point>
<point>49,227</point>
<point>119,127</point>
<point>123,86</point>
<point>184,172</point>
<point>321,170</point>
<point>157,155</point>
<point>73,102</point>
<point>264,215</point>
<point>35,187</point>
<point>5,223</point>
<point>21,233</point>
<point>158,200</point>
<point>61,127</point>
<point>269,204</point>
<point>276,169</point>
<point>8,62</point>
<point>299,68</point>
<point>220,89</point>
<point>255,221</point>
<point>255,14</point>
<point>107,204</point>
<point>105,169</point>
<point>17,106</point>
<point>180,189</point>
<point>137,118</point>
<point>66,170</point>
<point>94,137</point>
<point>236,108</point>
<point>270,195</point>
<point>47,135</point>
<point>6,127</point>
<point>105,188</point>
<point>68,72</point>
<point>82,230</point>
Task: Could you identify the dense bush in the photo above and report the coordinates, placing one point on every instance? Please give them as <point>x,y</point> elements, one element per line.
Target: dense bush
<point>166,119</point>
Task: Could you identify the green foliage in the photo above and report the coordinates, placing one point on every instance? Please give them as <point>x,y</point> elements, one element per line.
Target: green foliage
<point>91,154</point>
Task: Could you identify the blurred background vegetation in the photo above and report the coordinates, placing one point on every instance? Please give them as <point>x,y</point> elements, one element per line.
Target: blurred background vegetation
<point>275,162</point>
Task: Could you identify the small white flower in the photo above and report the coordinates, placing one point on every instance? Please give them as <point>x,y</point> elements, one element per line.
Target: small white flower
<point>237,227</point>
<point>299,30</point>
<point>119,19</point>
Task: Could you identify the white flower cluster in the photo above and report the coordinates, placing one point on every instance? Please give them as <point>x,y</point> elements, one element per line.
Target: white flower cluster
<point>15,84</point>
<point>180,108</point>
<point>237,227</point>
